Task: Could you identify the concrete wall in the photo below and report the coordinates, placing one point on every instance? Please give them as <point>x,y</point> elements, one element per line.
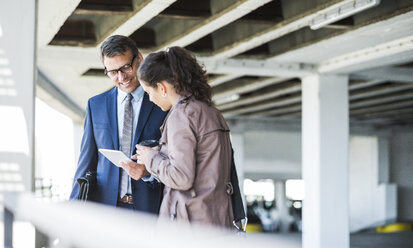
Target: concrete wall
<point>401,157</point>
<point>371,203</point>
<point>274,154</point>
<point>363,171</point>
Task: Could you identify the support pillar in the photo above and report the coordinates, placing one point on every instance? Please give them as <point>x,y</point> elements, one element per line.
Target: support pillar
<point>325,136</point>
<point>281,201</point>
<point>17,83</point>
<point>8,219</point>
<point>386,198</point>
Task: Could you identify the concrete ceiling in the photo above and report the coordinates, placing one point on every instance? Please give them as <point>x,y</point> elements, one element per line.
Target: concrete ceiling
<point>255,51</point>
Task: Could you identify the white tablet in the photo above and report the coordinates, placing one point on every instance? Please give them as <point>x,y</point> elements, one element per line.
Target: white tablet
<point>114,156</point>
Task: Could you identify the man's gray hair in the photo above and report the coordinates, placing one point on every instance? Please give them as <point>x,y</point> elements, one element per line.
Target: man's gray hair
<point>117,45</point>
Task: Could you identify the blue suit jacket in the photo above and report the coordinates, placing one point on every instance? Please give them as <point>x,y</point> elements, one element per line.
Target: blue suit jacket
<point>101,131</point>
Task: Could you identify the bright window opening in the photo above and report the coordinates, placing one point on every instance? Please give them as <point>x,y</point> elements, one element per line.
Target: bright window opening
<point>263,190</point>
<point>295,189</point>
<point>55,153</point>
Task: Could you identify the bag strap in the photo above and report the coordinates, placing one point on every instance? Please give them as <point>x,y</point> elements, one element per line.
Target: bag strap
<point>237,205</point>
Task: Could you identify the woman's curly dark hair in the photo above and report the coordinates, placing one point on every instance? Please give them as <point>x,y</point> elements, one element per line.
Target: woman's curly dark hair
<point>180,68</point>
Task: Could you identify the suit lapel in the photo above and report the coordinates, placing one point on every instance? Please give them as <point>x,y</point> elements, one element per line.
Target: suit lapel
<point>113,116</point>
<point>146,109</point>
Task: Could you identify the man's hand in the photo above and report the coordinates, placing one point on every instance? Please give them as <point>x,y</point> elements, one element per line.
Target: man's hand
<point>135,170</point>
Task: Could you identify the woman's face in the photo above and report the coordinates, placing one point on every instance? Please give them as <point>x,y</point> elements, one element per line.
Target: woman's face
<point>157,96</point>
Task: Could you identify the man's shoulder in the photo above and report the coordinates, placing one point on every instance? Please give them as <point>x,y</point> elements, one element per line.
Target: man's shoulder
<point>104,95</point>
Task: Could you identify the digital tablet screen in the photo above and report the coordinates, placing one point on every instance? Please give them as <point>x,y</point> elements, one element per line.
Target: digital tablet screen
<point>114,156</point>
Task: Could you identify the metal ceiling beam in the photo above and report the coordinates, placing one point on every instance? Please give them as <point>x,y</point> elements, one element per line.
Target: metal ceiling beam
<point>392,106</point>
<point>257,67</point>
<point>240,124</point>
<point>267,105</point>
<point>341,11</point>
<point>395,113</point>
<point>280,29</point>
<point>104,8</point>
<point>394,74</point>
<point>53,15</point>
<point>382,99</point>
<point>209,25</point>
<point>275,103</point>
<point>90,57</point>
<point>142,16</point>
<point>222,79</point>
<point>367,84</point>
<point>76,33</point>
<point>279,111</point>
<point>380,91</point>
<point>298,99</point>
<point>259,98</point>
<point>247,88</point>
<point>389,53</point>
<point>384,29</point>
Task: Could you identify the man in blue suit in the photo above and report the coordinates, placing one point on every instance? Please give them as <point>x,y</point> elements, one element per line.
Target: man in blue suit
<point>103,128</point>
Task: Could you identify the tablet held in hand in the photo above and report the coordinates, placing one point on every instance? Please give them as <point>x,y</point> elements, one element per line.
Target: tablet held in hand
<point>114,156</point>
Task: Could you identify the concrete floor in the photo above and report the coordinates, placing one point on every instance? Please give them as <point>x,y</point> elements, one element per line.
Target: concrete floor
<point>382,240</point>
<point>359,240</point>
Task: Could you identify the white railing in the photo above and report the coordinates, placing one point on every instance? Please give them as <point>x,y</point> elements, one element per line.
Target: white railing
<point>80,224</point>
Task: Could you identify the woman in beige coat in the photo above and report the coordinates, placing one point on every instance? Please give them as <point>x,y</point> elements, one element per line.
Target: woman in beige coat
<point>194,158</point>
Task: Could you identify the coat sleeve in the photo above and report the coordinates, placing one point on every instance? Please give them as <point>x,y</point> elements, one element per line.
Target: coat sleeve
<point>177,168</point>
<point>88,153</point>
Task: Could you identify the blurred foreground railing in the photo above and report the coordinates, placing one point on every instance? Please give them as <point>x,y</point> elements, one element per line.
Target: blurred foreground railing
<point>80,224</point>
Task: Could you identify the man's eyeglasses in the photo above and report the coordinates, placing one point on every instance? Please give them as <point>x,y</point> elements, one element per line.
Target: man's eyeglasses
<point>124,69</point>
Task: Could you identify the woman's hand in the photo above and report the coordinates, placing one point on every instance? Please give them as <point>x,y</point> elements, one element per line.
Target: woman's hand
<point>135,170</point>
<point>141,153</point>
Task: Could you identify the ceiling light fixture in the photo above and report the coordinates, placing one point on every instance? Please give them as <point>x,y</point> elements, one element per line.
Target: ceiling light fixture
<point>340,11</point>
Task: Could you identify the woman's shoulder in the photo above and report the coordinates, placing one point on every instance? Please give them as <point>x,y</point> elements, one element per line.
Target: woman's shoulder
<point>202,115</point>
<point>192,106</point>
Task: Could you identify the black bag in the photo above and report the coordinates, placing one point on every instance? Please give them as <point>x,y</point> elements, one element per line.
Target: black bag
<point>86,185</point>
<point>237,205</point>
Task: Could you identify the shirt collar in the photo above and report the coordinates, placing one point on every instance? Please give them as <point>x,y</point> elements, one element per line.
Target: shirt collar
<point>137,94</point>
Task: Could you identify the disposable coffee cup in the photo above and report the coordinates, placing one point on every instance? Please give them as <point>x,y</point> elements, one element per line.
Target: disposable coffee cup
<point>149,143</point>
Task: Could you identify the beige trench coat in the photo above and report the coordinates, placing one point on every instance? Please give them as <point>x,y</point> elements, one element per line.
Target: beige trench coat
<point>194,163</point>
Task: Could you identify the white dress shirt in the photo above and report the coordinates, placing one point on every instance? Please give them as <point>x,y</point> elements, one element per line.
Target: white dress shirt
<point>136,108</point>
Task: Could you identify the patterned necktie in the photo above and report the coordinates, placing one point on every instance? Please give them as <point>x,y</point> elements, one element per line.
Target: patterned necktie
<point>126,143</point>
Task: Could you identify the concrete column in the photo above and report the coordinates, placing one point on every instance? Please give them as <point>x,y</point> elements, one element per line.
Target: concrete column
<point>384,160</point>
<point>386,198</point>
<point>281,201</point>
<point>17,82</point>
<point>238,145</point>
<point>325,137</point>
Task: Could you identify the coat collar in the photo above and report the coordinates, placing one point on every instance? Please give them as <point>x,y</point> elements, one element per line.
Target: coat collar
<point>179,100</point>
